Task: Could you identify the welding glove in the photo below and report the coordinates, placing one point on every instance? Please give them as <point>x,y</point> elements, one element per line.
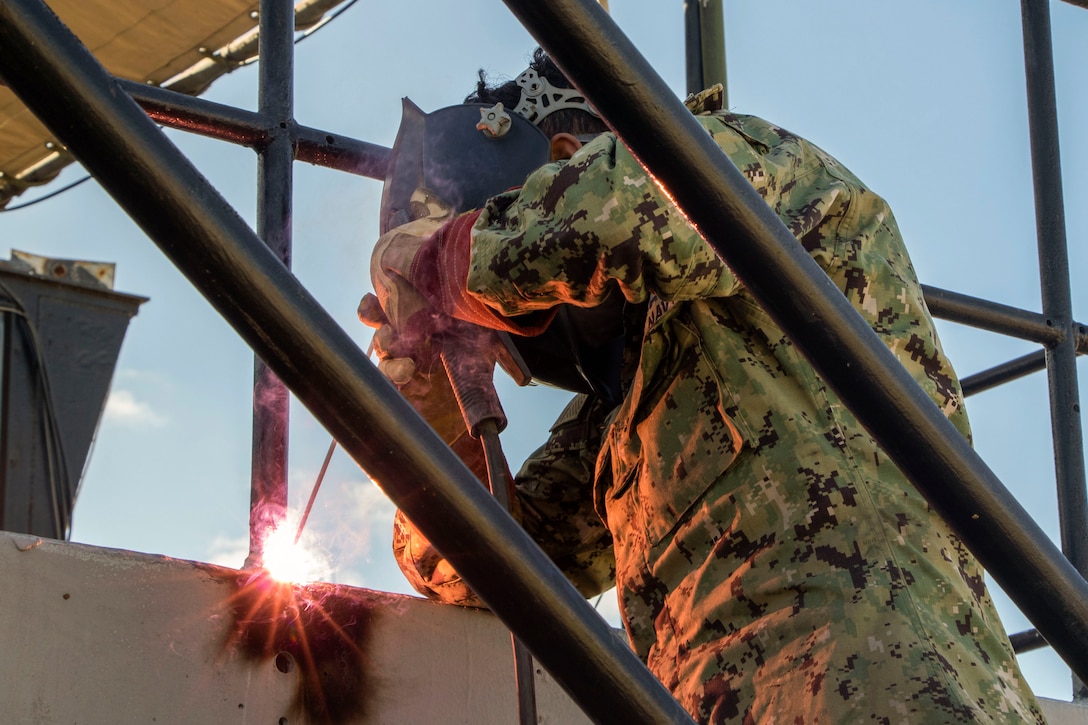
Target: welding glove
<point>428,389</point>
<point>415,367</point>
<point>419,272</point>
<point>426,261</point>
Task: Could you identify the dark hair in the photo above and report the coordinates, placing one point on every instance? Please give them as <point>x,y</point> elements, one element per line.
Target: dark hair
<point>569,120</point>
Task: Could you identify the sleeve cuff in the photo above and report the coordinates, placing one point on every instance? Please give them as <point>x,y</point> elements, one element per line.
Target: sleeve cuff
<point>440,273</point>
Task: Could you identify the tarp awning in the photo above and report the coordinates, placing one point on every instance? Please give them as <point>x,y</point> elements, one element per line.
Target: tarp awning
<point>179,44</point>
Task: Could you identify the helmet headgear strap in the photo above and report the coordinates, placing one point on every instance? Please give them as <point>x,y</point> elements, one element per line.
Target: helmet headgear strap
<point>540,99</point>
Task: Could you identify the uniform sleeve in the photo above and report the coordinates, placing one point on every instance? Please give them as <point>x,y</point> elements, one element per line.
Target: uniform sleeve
<point>578,228</point>
<point>555,506</point>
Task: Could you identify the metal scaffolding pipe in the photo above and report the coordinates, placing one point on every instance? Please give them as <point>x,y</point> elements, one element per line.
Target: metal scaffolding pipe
<point>991,316</point>
<point>62,83</point>
<point>342,153</point>
<point>1025,365</point>
<point>704,42</point>
<point>1061,359</point>
<point>196,115</point>
<point>246,128</point>
<point>734,219</point>
<point>1054,280</point>
<point>275,158</point>
<point>1027,641</point>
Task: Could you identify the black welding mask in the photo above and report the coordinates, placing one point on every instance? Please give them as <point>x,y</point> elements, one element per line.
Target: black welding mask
<point>464,155</point>
<point>462,164</point>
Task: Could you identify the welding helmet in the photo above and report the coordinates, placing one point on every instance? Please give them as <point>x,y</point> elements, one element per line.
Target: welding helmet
<point>464,155</point>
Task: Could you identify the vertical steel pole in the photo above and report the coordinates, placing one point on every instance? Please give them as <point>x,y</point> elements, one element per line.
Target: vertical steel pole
<point>1061,358</point>
<point>693,46</point>
<point>704,39</point>
<point>268,494</point>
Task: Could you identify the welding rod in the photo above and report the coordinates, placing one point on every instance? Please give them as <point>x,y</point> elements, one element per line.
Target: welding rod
<point>313,493</point>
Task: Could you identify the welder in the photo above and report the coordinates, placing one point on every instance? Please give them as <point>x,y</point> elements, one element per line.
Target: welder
<point>772,564</point>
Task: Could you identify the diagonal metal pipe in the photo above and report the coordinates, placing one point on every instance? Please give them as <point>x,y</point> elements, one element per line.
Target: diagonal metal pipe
<point>744,231</point>
<point>62,83</point>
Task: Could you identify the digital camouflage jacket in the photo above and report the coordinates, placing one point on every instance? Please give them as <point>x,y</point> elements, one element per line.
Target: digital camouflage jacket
<point>772,564</point>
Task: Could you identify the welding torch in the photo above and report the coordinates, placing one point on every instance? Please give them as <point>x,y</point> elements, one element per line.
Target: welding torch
<point>469,354</point>
<point>471,376</point>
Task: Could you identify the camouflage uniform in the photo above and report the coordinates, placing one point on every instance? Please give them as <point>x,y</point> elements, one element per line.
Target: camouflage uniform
<point>772,564</point>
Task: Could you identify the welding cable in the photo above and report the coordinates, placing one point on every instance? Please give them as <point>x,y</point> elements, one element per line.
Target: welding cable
<point>60,492</point>
<point>474,388</point>
<point>328,18</point>
<point>46,197</point>
<point>502,488</point>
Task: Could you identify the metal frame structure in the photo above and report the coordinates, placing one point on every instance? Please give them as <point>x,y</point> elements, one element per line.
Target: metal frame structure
<point>248,281</point>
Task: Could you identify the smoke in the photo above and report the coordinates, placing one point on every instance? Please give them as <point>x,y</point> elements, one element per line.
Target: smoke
<point>355,525</point>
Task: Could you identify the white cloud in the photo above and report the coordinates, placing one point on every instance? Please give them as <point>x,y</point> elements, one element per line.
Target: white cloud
<point>123,408</point>
<point>227,551</point>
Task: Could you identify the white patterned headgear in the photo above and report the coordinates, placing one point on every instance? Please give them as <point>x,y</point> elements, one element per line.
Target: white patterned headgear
<point>540,99</point>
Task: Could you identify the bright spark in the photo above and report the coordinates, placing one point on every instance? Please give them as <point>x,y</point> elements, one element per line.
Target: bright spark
<point>286,561</point>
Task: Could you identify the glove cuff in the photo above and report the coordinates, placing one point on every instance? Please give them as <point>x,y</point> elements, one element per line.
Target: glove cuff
<point>439,272</point>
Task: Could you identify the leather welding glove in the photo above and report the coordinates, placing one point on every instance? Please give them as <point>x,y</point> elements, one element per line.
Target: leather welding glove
<point>415,368</point>
<point>394,254</point>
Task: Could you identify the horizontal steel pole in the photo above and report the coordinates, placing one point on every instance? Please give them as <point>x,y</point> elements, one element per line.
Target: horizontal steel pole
<point>1025,365</point>
<point>1027,641</point>
<point>341,153</point>
<point>62,83</point>
<point>247,128</point>
<point>197,115</point>
<point>991,316</point>
<point>760,250</point>
<point>1003,319</point>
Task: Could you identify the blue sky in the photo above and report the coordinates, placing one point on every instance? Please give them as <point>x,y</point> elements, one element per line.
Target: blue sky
<point>924,100</point>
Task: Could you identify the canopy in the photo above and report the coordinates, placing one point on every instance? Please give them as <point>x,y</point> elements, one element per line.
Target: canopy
<point>182,45</point>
